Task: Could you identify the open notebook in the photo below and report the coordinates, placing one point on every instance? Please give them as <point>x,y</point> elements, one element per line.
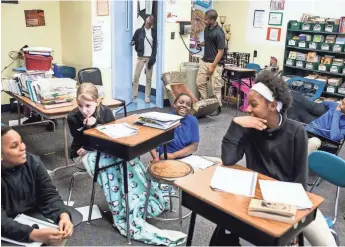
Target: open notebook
<point>234,181</point>
<point>27,220</point>
<point>118,130</point>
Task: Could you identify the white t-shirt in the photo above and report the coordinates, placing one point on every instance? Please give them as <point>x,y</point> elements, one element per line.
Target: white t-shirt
<point>147,46</point>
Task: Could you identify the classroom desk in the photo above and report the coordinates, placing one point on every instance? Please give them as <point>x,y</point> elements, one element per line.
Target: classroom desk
<point>126,148</point>
<point>231,211</point>
<point>56,113</point>
<point>233,73</point>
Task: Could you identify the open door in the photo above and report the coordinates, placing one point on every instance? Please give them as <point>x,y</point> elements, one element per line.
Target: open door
<point>122,54</point>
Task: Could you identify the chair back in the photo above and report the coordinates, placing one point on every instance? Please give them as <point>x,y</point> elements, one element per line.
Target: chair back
<point>254,66</point>
<point>92,75</point>
<point>328,166</point>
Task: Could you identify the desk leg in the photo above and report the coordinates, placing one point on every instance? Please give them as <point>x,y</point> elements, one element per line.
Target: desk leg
<point>125,179</point>
<point>65,148</point>
<point>18,110</point>
<point>95,175</point>
<point>301,239</point>
<point>191,229</point>
<point>165,151</point>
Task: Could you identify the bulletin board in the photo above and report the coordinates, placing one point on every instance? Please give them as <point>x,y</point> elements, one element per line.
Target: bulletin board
<point>293,10</point>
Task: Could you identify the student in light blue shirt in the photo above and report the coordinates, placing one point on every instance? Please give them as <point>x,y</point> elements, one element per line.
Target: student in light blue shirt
<point>332,123</point>
<point>186,136</point>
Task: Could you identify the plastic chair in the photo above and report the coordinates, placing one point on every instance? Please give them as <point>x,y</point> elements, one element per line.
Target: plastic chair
<point>332,169</point>
<point>254,66</point>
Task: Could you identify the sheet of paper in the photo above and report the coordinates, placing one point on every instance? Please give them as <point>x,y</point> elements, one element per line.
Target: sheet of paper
<point>118,130</point>
<point>234,181</point>
<point>197,161</point>
<point>285,192</point>
<point>96,213</point>
<point>275,18</point>
<point>34,244</point>
<point>27,220</point>
<point>259,16</point>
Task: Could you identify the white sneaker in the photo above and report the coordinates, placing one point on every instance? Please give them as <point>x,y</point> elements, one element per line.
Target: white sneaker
<point>147,100</point>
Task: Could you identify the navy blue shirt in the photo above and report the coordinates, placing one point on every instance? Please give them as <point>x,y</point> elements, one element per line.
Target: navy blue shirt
<point>184,135</point>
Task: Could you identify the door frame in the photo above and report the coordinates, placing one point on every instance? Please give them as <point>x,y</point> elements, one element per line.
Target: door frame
<point>160,54</point>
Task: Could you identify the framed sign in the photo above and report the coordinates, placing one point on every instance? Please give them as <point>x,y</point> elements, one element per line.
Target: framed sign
<point>275,19</point>
<point>9,1</point>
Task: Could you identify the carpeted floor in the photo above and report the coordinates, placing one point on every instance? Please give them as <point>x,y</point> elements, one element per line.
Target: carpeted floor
<point>49,146</point>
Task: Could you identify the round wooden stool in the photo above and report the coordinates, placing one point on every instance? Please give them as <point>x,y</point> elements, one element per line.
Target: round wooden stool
<point>166,172</point>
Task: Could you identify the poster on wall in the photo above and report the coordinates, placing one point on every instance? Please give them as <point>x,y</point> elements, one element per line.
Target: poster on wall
<point>275,19</point>
<point>273,34</point>
<point>199,7</point>
<point>102,7</point>
<point>34,18</point>
<point>259,16</point>
<point>277,5</point>
<point>171,15</point>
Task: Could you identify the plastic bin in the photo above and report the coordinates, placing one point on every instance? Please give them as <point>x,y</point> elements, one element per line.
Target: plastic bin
<point>295,25</point>
<point>36,62</point>
<point>191,71</point>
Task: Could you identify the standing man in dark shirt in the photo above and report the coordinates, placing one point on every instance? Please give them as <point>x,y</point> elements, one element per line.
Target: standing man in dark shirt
<point>209,66</point>
<point>145,43</point>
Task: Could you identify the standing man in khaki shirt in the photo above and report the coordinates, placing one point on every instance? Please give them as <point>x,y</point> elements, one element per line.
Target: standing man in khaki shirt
<point>209,65</point>
<point>145,42</point>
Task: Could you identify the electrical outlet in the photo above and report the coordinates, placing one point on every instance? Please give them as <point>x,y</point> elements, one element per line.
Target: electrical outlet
<point>172,35</point>
<point>255,53</point>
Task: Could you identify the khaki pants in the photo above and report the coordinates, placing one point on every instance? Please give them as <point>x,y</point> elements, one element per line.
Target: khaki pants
<point>216,80</point>
<point>141,61</point>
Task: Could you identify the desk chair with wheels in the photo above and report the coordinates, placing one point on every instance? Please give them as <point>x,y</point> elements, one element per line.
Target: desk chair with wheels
<point>166,172</point>
<point>332,169</point>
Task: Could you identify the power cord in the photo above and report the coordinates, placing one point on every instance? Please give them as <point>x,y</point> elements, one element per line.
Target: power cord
<point>198,48</point>
<point>14,55</point>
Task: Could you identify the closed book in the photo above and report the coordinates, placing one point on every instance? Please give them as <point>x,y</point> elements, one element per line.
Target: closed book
<point>273,211</point>
<point>52,106</point>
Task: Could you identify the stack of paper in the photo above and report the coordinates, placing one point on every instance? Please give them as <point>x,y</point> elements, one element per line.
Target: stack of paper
<point>118,130</point>
<point>198,162</point>
<point>286,193</point>
<point>234,181</point>
<point>159,120</point>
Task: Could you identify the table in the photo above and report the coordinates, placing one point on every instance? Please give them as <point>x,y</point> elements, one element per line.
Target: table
<point>237,74</point>
<point>56,113</point>
<point>231,211</point>
<point>126,148</point>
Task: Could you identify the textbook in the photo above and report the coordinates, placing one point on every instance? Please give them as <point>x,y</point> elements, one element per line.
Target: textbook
<point>159,120</point>
<point>272,211</point>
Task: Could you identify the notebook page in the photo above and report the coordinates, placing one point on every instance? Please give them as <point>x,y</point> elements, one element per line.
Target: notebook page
<point>234,181</point>
<point>118,130</point>
<point>286,193</point>
<point>197,161</point>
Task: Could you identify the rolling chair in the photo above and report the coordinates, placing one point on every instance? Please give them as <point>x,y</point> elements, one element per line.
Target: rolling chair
<point>332,169</point>
<point>94,76</point>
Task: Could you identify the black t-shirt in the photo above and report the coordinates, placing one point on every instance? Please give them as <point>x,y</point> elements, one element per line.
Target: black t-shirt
<point>214,41</point>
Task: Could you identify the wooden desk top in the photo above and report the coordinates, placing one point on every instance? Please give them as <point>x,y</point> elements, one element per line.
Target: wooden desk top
<point>235,205</point>
<point>60,110</point>
<point>238,69</point>
<point>144,133</point>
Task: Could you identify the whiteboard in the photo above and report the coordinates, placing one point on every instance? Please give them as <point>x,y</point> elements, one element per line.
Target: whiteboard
<point>293,11</point>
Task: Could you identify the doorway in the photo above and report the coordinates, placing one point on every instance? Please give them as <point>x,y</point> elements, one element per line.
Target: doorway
<point>133,14</point>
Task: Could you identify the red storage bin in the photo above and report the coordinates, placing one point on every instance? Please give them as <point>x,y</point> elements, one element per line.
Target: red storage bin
<point>37,62</point>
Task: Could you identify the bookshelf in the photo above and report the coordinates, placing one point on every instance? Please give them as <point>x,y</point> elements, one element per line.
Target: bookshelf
<point>292,69</point>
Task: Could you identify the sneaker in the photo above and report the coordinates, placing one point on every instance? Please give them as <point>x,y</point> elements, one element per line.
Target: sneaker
<point>217,112</point>
<point>147,100</point>
<point>134,97</point>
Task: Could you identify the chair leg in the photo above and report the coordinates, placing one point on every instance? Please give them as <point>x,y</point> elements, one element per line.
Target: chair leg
<point>228,101</point>
<point>336,205</point>
<point>319,182</point>
<point>170,199</point>
<point>336,237</point>
<point>147,198</point>
<point>180,210</point>
<point>314,184</point>
<point>70,189</point>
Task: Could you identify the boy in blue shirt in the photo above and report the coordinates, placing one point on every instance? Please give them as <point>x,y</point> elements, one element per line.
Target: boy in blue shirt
<point>186,136</point>
<point>332,123</point>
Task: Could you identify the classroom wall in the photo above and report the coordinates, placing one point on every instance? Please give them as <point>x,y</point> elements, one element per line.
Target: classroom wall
<point>15,34</point>
<point>76,33</point>
<point>244,38</point>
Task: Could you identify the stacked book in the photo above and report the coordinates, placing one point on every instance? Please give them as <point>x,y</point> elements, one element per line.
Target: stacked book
<point>40,51</point>
<point>159,120</point>
<point>11,85</point>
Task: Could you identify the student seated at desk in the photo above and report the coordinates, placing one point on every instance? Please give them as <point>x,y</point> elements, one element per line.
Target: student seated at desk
<point>186,136</point>
<point>273,145</point>
<point>89,114</point>
<point>26,188</point>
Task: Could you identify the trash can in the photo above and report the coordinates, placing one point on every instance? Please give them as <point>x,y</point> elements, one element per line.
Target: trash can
<point>191,71</point>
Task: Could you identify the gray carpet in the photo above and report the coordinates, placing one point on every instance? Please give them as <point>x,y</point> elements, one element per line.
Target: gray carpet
<point>49,146</point>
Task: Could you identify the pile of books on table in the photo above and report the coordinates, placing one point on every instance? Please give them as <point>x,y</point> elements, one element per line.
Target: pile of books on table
<point>159,120</point>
